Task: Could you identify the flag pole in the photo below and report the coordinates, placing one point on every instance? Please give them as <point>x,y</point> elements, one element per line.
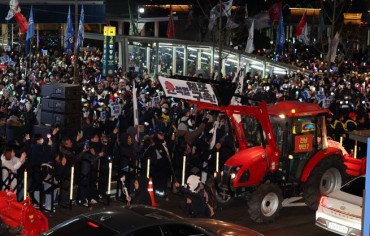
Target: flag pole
<point>75,43</point>
<point>219,43</point>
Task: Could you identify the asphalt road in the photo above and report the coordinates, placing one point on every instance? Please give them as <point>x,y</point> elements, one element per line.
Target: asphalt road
<point>293,221</point>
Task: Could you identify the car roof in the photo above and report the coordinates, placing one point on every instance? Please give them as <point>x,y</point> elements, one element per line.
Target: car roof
<point>301,109</point>
<point>134,217</point>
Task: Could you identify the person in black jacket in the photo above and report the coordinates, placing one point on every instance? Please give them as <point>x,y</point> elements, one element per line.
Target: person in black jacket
<point>40,153</point>
<point>71,157</point>
<point>141,194</point>
<point>127,153</point>
<point>108,143</point>
<point>88,172</point>
<point>196,198</point>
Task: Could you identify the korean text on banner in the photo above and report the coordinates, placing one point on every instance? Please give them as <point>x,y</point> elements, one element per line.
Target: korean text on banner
<point>190,90</point>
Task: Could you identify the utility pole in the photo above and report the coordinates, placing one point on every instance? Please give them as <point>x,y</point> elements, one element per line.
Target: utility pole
<point>219,77</point>
<point>75,71</point>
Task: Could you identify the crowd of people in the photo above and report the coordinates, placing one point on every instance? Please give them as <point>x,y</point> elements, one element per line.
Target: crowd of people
<point>169,128</point>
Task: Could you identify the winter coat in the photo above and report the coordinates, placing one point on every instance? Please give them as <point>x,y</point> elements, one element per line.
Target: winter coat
<point>127,152</point>
<point>141,195</point>
<point>198,207</point>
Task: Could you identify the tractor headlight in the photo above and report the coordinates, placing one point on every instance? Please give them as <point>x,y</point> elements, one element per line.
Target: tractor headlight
<point>232,176</point>
<point>234,171</point>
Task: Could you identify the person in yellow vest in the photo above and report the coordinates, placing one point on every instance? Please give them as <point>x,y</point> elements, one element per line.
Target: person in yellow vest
<point>165,114</point>
<point>351,122</point>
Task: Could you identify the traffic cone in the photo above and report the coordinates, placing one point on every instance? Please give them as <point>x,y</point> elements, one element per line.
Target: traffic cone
<point>151,192</point>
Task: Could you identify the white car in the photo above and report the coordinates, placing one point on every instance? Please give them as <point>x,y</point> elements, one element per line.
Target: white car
<point>341,211</point>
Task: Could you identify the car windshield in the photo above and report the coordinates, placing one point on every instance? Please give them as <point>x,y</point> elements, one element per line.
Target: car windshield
<point>355,187</point>
<point>81,226</point>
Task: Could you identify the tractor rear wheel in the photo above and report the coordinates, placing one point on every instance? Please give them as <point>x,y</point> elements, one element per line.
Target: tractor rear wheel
<point>265,203</point>
<point>328,176</point>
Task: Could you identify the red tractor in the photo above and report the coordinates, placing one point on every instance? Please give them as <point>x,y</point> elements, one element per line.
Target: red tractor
<point>283,148</point>
<point>283,152</point>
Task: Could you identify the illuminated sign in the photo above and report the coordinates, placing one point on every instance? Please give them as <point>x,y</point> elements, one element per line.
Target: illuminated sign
<point>303,143</point>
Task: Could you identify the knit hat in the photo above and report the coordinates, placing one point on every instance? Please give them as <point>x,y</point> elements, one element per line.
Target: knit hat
<point>193,182</point>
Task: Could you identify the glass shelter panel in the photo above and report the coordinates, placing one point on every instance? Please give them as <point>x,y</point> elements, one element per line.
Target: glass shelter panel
<point>138,57</point>
<point>179,60</point>
<point>192,61</point>
<point>231,64</point>
<point>165,63</point>
<point>256,69</point>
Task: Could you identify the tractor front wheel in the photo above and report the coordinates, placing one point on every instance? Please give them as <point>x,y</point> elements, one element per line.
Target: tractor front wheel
<point>265,203</point>
<point>328,176</point>
<point>223,198</point>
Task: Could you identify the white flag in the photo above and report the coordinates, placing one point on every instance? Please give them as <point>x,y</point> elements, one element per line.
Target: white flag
<point>14,9</point>
<point>304,35</point>
<point>250,46</point>
<point>221,10</point>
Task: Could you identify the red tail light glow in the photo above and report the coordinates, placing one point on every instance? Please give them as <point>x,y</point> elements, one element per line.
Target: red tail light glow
<point>92,224</point>
<point>323,201</point>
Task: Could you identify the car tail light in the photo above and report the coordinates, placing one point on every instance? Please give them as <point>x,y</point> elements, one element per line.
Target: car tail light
<point>92,224</point>
<point>323,201</point>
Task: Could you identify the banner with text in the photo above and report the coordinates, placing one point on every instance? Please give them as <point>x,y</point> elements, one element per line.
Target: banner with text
<point>109,51</point>
<point>194,91</point>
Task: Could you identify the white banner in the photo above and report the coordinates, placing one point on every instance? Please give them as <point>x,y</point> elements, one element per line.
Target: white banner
<point>115,109</point>
<point>239,80</point>
<point>194,91</point>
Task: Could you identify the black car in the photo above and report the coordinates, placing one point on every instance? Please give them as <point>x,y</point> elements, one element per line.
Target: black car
<point>143,221</point>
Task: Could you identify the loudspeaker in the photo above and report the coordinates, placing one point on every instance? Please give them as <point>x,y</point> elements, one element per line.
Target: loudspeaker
<point>43,130</point>
<point>61,106</point>
<point>63,132</point>
<point>61,91</point>
<point>72,121</point>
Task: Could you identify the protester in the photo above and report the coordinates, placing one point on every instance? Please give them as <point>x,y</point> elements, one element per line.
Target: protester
<point>140,194</point>
<point>12,163</point>
<point>170,128</point>
<point>197,198</point>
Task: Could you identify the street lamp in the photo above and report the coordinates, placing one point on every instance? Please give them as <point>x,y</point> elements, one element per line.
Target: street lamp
<point>140,10</point>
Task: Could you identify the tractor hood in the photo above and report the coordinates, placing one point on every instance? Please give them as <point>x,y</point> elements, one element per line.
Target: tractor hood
<point>245,156</point>
<point>251,165</point>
